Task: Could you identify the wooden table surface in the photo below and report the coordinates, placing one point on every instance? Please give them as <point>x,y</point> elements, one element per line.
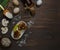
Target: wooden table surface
<point>46,29</point>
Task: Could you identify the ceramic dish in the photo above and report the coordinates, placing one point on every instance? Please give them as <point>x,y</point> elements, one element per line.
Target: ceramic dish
<point>17,32</point>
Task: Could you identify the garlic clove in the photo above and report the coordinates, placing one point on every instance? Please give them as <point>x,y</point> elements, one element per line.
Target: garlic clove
<point>5,22</point>
<point>39,2</point>
<point>16,10</point>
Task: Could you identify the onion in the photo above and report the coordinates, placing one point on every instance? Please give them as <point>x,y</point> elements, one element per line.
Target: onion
<point>6,42</point>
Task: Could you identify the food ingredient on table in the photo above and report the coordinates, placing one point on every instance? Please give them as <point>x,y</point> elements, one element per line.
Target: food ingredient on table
<point>16,10</point>
<point>4,30</point>
<point>39,2</point>
<point>6,12</point>
<point>15,2</point>
<point>5,22</point>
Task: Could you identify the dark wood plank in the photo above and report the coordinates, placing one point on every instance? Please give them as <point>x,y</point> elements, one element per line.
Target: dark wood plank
<point>46,30</point>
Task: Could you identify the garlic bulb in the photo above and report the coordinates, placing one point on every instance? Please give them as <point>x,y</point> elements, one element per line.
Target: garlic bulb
<point>6,12</point>
<point>39,2</point>
<point>5,22</point>
<point>4,30</point>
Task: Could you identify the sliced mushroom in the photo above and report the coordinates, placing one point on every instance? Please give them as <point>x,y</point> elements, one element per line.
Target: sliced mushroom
<point>5,22</point>
<point>4,30</point>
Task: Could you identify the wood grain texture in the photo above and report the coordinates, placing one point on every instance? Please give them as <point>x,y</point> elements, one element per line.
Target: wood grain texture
<point>46,30</point>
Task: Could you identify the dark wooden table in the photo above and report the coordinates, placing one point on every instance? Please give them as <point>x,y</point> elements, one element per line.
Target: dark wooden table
<point>46,30</point>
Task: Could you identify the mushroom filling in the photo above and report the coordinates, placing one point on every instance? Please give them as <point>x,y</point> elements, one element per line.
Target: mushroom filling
<point>16,34</point>
<point>22,26</point>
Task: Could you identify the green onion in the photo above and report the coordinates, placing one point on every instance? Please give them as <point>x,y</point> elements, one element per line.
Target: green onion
<point>4,3</point>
